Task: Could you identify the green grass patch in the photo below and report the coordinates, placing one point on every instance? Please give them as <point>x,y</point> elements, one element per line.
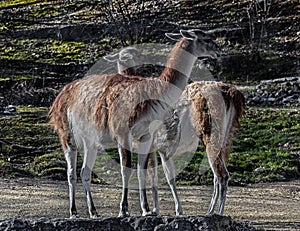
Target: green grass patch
<point>10,3</point>
<point>67,51</point>
<point>44,51</point>
<point>25,136</point>
<point>46,10</point>
<point>49,165</point>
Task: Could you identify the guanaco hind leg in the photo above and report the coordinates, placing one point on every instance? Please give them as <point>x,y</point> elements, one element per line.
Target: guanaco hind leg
<point>221,177</point>
<point>125,159</point>
<point>71,158</point>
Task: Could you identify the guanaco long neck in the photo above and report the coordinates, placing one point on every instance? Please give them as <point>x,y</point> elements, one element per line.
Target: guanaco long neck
<point>179,65</point>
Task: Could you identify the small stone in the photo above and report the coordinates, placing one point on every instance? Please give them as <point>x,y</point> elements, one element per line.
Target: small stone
<point>6,112</point>
<point>259,91</point>
<point>287,99</point>
<point>271,100</point>
<point>256,99</point>
<point>11,108</point>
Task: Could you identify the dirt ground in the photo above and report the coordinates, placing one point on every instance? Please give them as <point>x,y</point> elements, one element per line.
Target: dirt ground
<point>269,206</point>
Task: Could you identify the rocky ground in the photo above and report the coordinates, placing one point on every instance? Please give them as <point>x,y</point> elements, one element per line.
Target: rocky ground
<point>40,203</point>
<point>282,92</point>
<point>150,223</point>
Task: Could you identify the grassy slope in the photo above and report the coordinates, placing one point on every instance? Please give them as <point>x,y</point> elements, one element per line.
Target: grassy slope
<point>37,40</point>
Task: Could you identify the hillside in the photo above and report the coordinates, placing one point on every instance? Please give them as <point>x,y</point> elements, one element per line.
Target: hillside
<point>48,44</point>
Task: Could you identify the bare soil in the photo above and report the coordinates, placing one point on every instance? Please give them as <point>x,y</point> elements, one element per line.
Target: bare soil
<point>270,206</point>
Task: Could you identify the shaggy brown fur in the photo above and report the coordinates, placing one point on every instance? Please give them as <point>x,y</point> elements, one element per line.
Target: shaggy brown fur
<point>137,100</point>
<point>216,109</point>
<point>231,94</point>
<point>201,113</point>
<point>138,95</point>
<point>58,112</point>
<point>113,88</point>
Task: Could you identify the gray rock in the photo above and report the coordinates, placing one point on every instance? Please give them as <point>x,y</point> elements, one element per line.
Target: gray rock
<point>6,112</point>
<point>271,100</point>
<point>284,91</point>
<point>213,222</point>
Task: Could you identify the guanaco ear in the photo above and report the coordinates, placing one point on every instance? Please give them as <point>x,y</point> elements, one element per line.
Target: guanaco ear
<point>194,34</point>
<point>173,36</point>
<point>125,57</point>
<point>112,58</point>
<point>188,34</point>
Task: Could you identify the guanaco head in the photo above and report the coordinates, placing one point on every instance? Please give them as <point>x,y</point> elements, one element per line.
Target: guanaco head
<point>200,43</point>
<point>127,60</point>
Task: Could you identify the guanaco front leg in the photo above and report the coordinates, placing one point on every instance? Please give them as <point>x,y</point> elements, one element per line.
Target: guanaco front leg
<point>71,158</point>
<point>169,169</point>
